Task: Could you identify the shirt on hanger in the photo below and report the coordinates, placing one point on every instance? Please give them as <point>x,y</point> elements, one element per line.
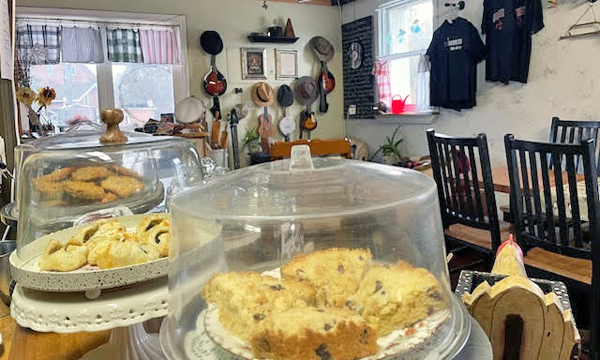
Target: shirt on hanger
<point>454,52</point>
<point>508,25</point>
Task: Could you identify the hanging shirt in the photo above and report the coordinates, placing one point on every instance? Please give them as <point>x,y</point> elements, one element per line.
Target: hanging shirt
<point>508,25</point>
<point>454,52</point>
<point>423,79</point>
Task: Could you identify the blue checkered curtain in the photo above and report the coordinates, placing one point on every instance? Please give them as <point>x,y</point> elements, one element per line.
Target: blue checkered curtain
<point>38,44</point>
<point>124,45</point>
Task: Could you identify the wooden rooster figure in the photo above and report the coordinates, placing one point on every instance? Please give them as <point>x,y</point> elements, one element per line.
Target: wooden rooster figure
<point>521,321</point>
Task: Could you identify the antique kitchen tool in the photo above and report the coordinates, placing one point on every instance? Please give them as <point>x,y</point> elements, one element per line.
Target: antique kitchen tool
<point>287,125</point>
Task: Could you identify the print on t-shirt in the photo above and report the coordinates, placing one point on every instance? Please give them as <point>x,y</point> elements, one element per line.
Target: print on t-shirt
<point>499,19</point>
<point>453,45</point>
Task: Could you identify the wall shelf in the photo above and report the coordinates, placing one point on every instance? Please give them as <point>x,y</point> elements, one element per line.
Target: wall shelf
<point>256,38</point>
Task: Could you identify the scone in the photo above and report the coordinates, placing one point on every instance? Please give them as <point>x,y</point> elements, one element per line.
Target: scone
<point>59,257</point>
<point>122,186</point>
<point>123,252</point>
<point>154,231</point>
<point>90,173</point>
<point>311,333</point>
<point>334,273</point>
<point>84,190</point>
<point>245,300</point>
<point>393,297</point>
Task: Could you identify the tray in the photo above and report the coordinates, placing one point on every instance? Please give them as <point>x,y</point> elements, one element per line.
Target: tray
<point>25,271</point>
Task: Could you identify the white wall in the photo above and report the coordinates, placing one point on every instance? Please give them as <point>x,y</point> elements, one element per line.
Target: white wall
<point>562,82</point>
<point>234,20</point>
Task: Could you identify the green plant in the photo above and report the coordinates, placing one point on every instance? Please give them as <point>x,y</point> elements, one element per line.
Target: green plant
<point>251,135</point>
<point>390,147</point>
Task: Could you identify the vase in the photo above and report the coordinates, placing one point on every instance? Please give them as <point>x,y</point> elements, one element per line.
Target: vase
<point>390,159</point>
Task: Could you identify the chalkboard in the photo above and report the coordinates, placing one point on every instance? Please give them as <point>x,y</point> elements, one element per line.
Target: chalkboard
<point>359,86</point>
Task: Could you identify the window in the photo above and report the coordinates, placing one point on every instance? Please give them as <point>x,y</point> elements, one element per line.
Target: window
<point>143,91</point>
<point>405,31</point>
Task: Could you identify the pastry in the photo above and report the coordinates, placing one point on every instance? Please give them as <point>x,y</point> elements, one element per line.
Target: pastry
<point>154,230</point>
<point>148,222</point>
<point>126,251</point>
<point>57,175</point>
<point>50,190</point>
<point>394,297</point>
<point>84,190</point>
<point>109,197</point>
<point>311,333</point>
<point>123,186</point>
<point>245,300</point>
<point>334,273</point>
<point>97,232</point>
<point>90,173</point>
<point>125,171</point>
<point>58,257</point>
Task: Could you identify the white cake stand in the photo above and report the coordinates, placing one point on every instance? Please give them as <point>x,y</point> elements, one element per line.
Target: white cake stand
<point>121,310</point>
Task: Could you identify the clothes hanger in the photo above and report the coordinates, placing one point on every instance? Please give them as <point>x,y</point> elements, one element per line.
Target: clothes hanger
<point>457,7</point>
<point>590,24</point>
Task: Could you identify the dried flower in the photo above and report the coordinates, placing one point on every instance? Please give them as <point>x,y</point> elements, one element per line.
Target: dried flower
<point>26,96</point>
<point>45,96</point>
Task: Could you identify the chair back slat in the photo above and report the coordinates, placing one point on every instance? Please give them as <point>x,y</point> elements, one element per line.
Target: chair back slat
<point>544,176</point>
<point>577,131</point>
<point>461,168</point>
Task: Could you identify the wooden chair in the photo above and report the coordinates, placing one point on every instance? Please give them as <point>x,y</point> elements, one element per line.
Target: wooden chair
<point>318,147</point>
<point>554,246</point>
<point>461,169</point>
<point>573,132</point>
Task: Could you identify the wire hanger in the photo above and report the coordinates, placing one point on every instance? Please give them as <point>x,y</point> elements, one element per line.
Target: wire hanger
<point>457,7</point>
<point>591,24</point>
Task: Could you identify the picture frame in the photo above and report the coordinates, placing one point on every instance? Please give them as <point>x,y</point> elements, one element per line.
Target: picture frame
<point>168,118</point>
<point>286,64</point>
<point>254,63</point>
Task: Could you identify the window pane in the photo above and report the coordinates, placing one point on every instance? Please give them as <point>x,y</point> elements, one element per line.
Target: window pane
<point>143,91</point>
<point>407,28</point>
<point>76,91</point>
<point>403,78</point>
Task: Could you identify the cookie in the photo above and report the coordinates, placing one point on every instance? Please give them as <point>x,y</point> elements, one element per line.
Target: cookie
<point>109,197</point>
<point>84,190</point>
<point>120,170</point>
<point>90,173</point>
<point>50,190</point>
<point>58,257</point>
<point>57,175</point>
<point>123,186</point>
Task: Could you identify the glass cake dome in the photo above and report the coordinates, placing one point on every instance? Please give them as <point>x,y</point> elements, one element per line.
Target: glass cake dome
<point>260,218</point>
<point>63,177</point>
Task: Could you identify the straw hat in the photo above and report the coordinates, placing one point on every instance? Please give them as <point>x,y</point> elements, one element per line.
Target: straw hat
<point>306,90</point>
<point>262,94</point>
<point>322,48</point>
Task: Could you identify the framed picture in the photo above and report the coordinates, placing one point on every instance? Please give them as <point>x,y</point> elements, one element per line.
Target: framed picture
<point>254,63</point>
<point>169,118</point>
<point>287,64</point>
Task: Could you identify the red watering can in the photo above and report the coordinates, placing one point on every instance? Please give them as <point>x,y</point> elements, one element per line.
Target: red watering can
<point>398,104</point>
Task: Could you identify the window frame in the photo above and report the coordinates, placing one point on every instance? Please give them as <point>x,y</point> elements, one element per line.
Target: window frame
<point>104,78</point>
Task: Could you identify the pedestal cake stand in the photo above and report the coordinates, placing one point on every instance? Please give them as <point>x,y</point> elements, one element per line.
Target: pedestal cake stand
<point>121,310</point>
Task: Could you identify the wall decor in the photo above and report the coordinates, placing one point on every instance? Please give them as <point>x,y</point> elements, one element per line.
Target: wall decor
<point>359,84</point>
<point>287,64</point>
<point>254,63</point>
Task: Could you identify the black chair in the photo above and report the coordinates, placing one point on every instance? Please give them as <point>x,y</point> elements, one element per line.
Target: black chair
<point>554,246</point>
<point>573,132</point>
<point>462,172</point>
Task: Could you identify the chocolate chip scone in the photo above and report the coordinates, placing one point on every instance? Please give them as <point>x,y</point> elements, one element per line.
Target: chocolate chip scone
<point>84,190</point>
<point>334,273</point>
<point>122,186</point>
<point>245,300</point>
<point>394,297</point>
<point>90,173</point>
<point>311,333</point>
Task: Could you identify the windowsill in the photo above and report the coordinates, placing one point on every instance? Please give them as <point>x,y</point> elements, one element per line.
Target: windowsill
<point>420,117</point>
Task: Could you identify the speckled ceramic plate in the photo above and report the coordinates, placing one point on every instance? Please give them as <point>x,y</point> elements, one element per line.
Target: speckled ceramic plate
<point>25,270</point>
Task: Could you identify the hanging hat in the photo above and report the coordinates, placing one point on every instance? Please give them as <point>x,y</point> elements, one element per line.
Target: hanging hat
<point>285,96</point>
<point>262,94</point>
<point>322,48</point>
<point>211,42</point>
<point>306,90</point>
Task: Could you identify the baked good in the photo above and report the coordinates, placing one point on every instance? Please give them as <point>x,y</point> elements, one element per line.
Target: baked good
<point>394,297</point>
<point>83,190</point>
<point>50,190</point>
<point>59,257</point>
<point>311,333</point>
<point>334,273</point>
<point>123,186</point>
<point>154,231</point>
<point>90,173</point>
<point>96,233</point>
<point>126,251</point>
<point>57,175</point>
<point>244,300</point>
<point>120,170</point>
<point>109,197</point>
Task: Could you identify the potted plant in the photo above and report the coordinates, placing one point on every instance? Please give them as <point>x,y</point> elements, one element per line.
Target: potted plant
<point>251,140</point>
<point>389,150</point>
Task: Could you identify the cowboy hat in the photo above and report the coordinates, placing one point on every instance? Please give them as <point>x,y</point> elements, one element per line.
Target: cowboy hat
<point>322,48</point>
<point>262,94</point>
<point>285,96</point>
<point>211,42</point>
<point>306,90</point>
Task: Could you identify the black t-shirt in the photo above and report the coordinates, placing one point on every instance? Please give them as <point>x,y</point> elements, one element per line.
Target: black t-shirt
<point>508,25</point>
<point>454,52</point>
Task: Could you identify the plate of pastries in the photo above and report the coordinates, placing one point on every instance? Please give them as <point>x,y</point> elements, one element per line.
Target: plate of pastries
<point>87,185</point>
<point>330,304</point>
<point>99,255</point>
